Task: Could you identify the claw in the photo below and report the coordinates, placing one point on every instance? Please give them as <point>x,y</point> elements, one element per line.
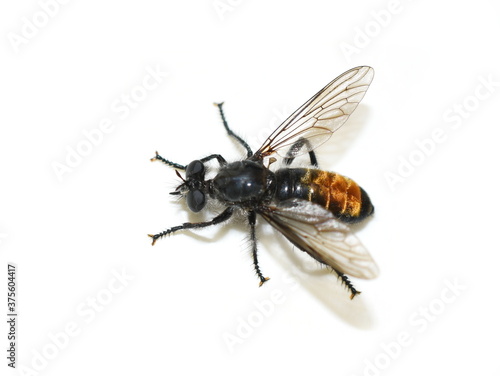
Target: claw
<point>154,239</point>
<point>262,281</point>
<point>155,158</point>
<point>354,294</point>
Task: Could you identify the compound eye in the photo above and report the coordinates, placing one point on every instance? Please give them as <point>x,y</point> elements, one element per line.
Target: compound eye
<point>195,200</point>
<point>196,170</point>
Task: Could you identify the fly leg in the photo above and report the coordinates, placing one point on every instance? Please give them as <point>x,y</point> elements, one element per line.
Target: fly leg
<point>219,158</point>
<point>231,133</point>
<point>348,284</point>
<point>294,149</point>
<point>251,220</point>
<point>226,214</point>
<point>158,157</point>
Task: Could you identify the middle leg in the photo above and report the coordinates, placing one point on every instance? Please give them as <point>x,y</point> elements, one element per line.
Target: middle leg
<point>251,220</point>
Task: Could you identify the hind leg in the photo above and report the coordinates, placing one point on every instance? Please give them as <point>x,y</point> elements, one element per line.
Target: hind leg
<point>295,148</point>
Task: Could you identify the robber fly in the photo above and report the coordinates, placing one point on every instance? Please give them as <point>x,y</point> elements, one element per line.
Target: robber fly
<point>310,207</point>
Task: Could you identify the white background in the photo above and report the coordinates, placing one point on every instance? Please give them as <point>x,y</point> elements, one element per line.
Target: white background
<point>182,299</point>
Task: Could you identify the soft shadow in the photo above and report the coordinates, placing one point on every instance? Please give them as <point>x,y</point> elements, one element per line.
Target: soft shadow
<point>335,148</point>
<point>320,281</point>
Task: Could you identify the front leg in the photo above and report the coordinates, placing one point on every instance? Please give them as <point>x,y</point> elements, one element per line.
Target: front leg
<point>219,158</point>
<point>225,215</point>
<point>158,157</point>
<point>253,239</point>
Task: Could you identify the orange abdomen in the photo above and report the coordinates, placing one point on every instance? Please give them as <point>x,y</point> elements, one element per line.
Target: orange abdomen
<point>339,194</point>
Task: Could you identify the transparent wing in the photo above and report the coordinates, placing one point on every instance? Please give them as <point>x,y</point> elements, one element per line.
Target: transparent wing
<point>316,231</point>
<point>317,119</point>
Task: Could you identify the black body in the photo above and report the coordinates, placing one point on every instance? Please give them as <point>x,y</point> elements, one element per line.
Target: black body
<point>246,184</point>
<point>308,206</point>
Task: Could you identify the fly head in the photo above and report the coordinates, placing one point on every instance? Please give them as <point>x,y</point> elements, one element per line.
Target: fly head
<point>193,186</point>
